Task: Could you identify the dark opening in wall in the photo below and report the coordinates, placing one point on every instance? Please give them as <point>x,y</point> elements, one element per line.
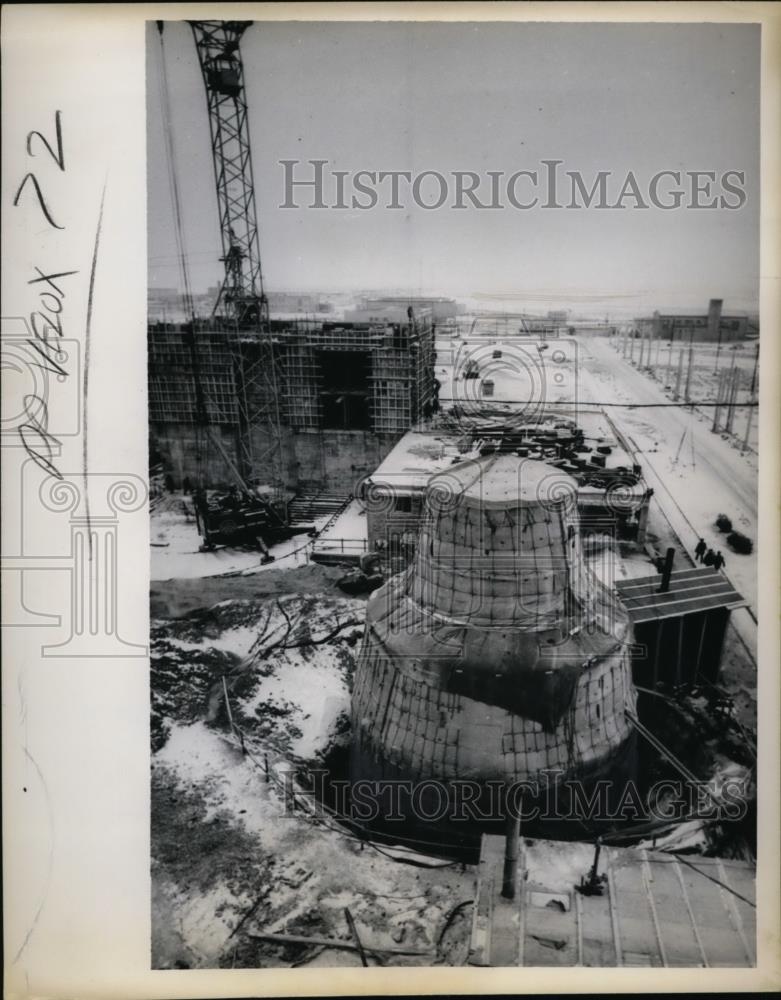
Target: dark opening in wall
<point>345,389</point>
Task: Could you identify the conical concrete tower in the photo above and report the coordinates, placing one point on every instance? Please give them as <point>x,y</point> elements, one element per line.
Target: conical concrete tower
<point>498,654</point>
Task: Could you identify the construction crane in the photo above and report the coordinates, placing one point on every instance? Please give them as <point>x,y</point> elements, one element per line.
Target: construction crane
<point>242,296</point>
<point>241,309</point>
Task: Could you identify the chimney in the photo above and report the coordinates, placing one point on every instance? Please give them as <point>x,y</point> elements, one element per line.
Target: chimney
<point>714,318</point>
<point>667,570</point>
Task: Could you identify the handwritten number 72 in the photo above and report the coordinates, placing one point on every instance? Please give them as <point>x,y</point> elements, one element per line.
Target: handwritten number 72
<point>59,159</point>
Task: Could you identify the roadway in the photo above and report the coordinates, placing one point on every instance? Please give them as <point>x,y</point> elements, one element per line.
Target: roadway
<point>694,479</point>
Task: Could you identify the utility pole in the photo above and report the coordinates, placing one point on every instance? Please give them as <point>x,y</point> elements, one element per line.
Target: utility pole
<point>719,401</point>
<point>668,372</point>
<point>732,400</point>
<point>754,373</point>
<point>718,351</point>
<point>689,370</point>
<point>749,419</point>
<point>677,394</point>
<point>632,348</point>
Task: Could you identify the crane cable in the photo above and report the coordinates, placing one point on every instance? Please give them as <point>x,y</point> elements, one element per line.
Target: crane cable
<point>173,183</point>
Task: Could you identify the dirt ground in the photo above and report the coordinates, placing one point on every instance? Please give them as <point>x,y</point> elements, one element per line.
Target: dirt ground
<point>176,598</point>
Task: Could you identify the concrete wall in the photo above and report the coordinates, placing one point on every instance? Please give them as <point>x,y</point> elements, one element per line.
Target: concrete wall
<point>337,460</point>
<point>329,459</point>
<point>178,445</point>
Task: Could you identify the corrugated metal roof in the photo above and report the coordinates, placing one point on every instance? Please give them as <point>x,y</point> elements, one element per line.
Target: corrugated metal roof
<point>656,909</point>
<point>691,590</point>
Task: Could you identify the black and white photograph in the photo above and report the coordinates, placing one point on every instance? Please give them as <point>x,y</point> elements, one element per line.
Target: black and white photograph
<point>454,363</point>
<point>391,550</point>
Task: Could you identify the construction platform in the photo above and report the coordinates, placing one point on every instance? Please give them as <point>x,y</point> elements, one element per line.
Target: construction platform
<point>657,909</point>
<point>679,631</point>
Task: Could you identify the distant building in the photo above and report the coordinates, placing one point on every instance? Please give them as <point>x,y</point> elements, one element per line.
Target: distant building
<point>684,325</point>
<point>298,302</point>
<point>393,307</point>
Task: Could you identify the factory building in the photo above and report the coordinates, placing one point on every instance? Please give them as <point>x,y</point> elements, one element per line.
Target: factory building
<point>714,326</point>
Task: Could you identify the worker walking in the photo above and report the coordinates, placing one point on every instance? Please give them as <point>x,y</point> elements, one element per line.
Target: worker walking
<point>718,560</point>
<point>700,549</point>
<point>709,558</point>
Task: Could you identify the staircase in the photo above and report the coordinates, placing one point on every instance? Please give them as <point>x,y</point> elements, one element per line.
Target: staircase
<point>309,507</point>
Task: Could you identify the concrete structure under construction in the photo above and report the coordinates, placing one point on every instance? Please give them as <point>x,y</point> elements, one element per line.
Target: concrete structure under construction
<point>612,496</point>
<point>497,655</point>
<point>346,393</point>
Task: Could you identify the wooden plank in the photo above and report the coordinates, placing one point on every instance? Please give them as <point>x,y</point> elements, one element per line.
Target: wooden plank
<point>613,914</point>
<point>597,931</point>
<point>687,901</point>
<point>312,942</point>
<point>730,901</point>
<point>550,934</point>
<point>648,881</point>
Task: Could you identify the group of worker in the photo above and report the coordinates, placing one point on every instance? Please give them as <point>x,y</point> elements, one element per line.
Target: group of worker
<point>707,556</point>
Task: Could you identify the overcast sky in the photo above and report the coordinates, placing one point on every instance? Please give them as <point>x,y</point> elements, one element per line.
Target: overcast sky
<point>380,96</point>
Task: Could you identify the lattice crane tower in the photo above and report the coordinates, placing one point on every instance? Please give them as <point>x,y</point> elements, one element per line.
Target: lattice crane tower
<point>242,295</point>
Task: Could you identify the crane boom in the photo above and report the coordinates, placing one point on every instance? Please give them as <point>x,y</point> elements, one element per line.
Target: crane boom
<point>217,44</point>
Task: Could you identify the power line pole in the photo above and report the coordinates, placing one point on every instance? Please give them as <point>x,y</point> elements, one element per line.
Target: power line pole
<point>754,373</point>
<point>677,394</point>
<point>689,369</point>
<point>732,400</point>
<point>749,420</point>
<point>668,372</point>
<point>719,401</point>
<point>718,351</point>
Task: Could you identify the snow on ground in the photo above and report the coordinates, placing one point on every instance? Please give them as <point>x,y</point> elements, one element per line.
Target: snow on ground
<point>348,534</point>
<point>693,482</point>
<point>175,547</point>
<point>288,687</point>
<point>315,693</point>
<point>708,364</point>
<point>298,876</point>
